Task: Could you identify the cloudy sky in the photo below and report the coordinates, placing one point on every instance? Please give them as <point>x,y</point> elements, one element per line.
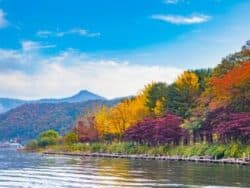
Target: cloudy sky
<point>112,47</point>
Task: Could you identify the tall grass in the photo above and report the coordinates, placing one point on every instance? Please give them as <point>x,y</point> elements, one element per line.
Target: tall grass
<point>217,151</point>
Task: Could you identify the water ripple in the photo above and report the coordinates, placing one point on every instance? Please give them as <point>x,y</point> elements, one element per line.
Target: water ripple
<point>32,170</point>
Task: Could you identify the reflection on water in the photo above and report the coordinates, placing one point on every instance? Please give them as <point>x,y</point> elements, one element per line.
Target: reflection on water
<point>33,170</point>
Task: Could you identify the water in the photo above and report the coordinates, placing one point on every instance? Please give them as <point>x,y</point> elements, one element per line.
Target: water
<point>35,170</point>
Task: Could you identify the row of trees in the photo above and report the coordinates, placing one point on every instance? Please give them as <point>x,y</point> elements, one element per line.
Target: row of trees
<point>207,105</point>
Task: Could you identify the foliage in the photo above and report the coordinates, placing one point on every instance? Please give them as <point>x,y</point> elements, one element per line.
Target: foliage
<point>49,137</point>
<point>71,138</point>
<point>233,87</point>
<point>156,131</point>
<point>203,78</point>
<point>156,98</point>
<point>232,60</point>
<point>115,120</point>
<point>50,134</point>
<point>228,125</point>
<point>86,129</point>
<point>217,151</point>
<point>209,109</point>
<point>182,94</point>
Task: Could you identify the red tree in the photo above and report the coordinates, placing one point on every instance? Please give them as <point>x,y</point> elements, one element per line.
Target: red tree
<point>86,130</point>
<point>165,130</point>
<point>228,125</point>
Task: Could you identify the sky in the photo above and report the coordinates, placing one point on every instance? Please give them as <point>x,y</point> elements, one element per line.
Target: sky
<point>112,47</point>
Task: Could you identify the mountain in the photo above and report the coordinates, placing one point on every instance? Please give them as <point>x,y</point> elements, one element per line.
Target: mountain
<point>84,95</point>
<point>28,120</point>
<point>7,104</point>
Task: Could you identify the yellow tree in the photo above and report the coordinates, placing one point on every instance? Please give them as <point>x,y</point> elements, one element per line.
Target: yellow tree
<point>120,117</point>
<point>102,118</point>
<point>159,108</point>
<point>188,83</point>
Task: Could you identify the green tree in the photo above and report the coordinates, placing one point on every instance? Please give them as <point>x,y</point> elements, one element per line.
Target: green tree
<point>203,77</point>
<point>50,134</point>
<point>49,137</point>
<point>182,94</point>
<point>70,138</point>
<point>156,97</point>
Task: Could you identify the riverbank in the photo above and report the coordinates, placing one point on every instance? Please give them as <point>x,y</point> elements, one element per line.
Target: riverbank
<point>201,159</point>
<point>215,153</point>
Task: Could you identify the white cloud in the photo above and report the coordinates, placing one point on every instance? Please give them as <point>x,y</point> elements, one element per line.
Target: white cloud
<point>44,33</point>
<point>3,21</point>
<point>171,1</point>
<point>181,20</point>
<point>29,45</point>
<point>69,72</point>
<point>73,31</point>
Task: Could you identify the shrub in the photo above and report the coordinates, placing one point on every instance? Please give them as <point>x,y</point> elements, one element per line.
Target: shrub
<point>46,141</point>
<point>98,147</point>
<point>71,138</point>
<point>49,133</point>
<point>47,138</point>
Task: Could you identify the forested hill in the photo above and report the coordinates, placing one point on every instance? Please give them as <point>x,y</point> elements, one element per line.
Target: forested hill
<point>82,96</point>
<point>27,121</point>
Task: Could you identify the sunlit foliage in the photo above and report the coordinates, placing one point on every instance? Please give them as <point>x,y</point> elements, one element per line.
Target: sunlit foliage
<point>233,87</point>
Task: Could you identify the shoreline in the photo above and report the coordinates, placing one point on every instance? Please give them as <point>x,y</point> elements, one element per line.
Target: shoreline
<point>198,159</point>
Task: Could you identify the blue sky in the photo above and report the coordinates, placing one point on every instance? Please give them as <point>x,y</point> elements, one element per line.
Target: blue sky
<point>112,47</point>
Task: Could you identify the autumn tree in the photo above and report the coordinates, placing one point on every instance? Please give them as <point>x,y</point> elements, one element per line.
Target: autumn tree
<point>86,129</point>
<point>102,119</point>
<point>203,78</point>
<point>182,94</point>
<point>233,88</point>
<point>228,125</point>
<point>115,120</point>
<point>154,131</point>
<point>156,98</point>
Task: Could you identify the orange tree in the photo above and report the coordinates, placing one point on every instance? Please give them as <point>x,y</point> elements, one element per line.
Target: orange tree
<point>233,88</point>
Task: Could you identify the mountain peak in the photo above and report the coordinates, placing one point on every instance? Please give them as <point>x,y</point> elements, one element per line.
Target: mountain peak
<point>81,96</point>
<point>87,95</point>
<point>84,91</point>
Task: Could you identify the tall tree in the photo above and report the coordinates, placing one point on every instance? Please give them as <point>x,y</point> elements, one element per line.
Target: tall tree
<point>233,88</point>
<point>156,97</point>
<point>115,120</point>
<point>182,94</point>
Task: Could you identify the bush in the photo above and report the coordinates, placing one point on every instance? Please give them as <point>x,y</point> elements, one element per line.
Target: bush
<point>98,147</point>
<point>46,141</point>
<point>71,138</point>
<point>49,133</point>
<point>47,138</point>
<point>233,150</point>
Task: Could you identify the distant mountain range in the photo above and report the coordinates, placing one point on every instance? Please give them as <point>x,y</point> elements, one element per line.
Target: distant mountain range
<point>26,121</point>
<point>7,104</point>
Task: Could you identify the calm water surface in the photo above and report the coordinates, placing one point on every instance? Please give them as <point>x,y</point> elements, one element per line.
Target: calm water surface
<point>34,170</point>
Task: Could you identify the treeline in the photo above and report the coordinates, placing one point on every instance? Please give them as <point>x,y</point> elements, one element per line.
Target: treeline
<point>206,105</point>
<point>201,106</point>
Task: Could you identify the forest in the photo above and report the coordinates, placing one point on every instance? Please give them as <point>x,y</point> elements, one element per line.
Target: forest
<point>204,106</point>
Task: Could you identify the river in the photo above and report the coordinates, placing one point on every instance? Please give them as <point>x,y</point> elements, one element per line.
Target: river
<point>35,170</point>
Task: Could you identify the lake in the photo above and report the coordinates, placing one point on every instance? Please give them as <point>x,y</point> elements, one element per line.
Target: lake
<point>35,170</point>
